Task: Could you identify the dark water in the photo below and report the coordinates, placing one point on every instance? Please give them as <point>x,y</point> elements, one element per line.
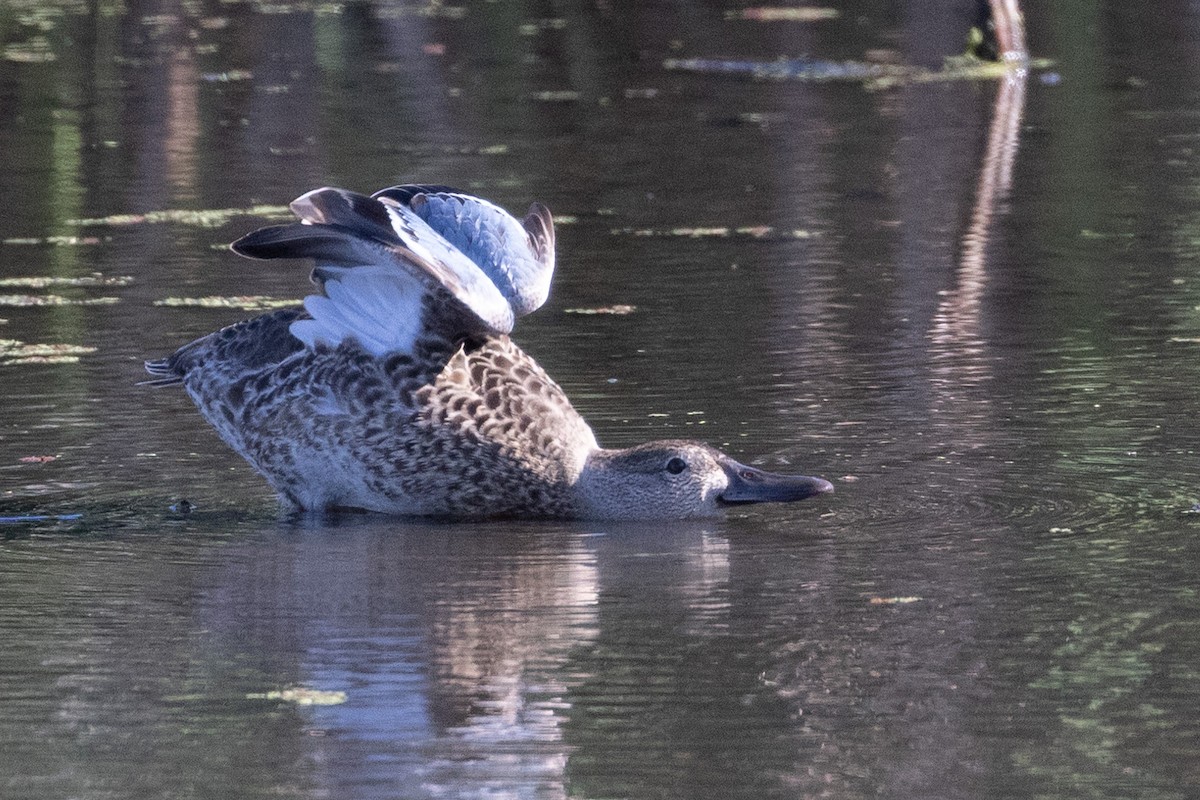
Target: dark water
<point>972,304</point>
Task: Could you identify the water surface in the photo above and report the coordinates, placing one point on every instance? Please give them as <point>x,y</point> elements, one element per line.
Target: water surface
<point>972,304</point>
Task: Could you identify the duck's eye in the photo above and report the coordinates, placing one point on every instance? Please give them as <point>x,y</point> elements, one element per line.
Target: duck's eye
<point>676,465</point>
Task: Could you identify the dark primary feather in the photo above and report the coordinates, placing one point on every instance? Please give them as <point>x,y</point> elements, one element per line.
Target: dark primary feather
<point>333,221</point>
<point>331,206</point>
<point>309,241</point>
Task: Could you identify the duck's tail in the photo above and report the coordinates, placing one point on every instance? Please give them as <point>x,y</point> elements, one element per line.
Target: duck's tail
<point>164,372</point>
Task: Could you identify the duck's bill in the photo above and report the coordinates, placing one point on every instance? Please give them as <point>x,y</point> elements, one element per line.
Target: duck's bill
<point>750,485</point>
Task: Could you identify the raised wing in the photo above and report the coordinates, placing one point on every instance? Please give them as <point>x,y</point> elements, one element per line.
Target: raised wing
<point>517,256</point>
<point>389,275</point>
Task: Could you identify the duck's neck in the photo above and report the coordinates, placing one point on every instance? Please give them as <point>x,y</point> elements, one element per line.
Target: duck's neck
<point>602,492</point>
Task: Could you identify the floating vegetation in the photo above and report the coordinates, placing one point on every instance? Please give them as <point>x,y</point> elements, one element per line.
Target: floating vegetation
<point>718,232</point>
<point>783,14</point>
<point>35,51</point>
<point>451,150</point>
<point>875,76</point>
<point>619,310</point>
<point>46,281</point>
<point>320,9</point>
<point>19,518</point>
<point>1087,233</point>
<point>59,241</point>
<point>893,601</point>
<point>559,96</point>
<point>758,118</point>
<point>204,218</point>
<point>790,68</point>
<point>25,300</point>
<point>432,9</point>
<point>548,24</point>
<point>159,20</point>
<point>13,352</point>
<point>301,696</point>
<point>252,302</point>
<point>228,76</point>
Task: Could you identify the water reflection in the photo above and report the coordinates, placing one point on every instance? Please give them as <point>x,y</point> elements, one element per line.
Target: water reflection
<point>449,645</point>
<point>957,323</point>
<point>462,653</point>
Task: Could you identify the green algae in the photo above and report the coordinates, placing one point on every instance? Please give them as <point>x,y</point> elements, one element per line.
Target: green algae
<point>29,300</point>
<point>872,75</point>
<point>57,241</point>
<point>46,281</point>
<point>784,14</point>
<point>619,310</point>
<point>556,96</point>
<point>36,50</point>
<point>716,232</point>
<point>433,9</point>
<point>202,218</point>
<point>244,302</point>
<point>301,696</point>
<point>14,352</point>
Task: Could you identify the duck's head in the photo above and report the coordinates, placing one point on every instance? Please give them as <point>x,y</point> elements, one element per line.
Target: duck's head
<point>678,479</point>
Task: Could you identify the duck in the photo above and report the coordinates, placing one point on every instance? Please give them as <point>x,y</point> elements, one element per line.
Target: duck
<point>396,388</point>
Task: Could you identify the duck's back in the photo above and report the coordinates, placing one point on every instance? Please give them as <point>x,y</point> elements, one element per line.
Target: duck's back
<point>472,428</point>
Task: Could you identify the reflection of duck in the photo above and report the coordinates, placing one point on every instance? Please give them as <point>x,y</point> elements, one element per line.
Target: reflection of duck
<point>398,389</point>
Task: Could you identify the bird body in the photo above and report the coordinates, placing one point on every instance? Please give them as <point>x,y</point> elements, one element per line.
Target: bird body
<point>398,389</point>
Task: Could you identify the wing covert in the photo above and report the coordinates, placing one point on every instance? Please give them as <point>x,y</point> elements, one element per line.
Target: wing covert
<point>518,256</point>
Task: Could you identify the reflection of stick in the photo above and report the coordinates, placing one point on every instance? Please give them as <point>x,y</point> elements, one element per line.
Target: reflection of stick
<point>996,176</point>
<point>1009,23</point>
<point>956,324</point>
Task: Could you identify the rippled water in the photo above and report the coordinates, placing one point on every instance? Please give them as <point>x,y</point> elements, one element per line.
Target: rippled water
<point>970,303</point>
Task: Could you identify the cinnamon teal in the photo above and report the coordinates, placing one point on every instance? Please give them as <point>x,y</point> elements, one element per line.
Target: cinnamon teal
<point>397,388</point>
